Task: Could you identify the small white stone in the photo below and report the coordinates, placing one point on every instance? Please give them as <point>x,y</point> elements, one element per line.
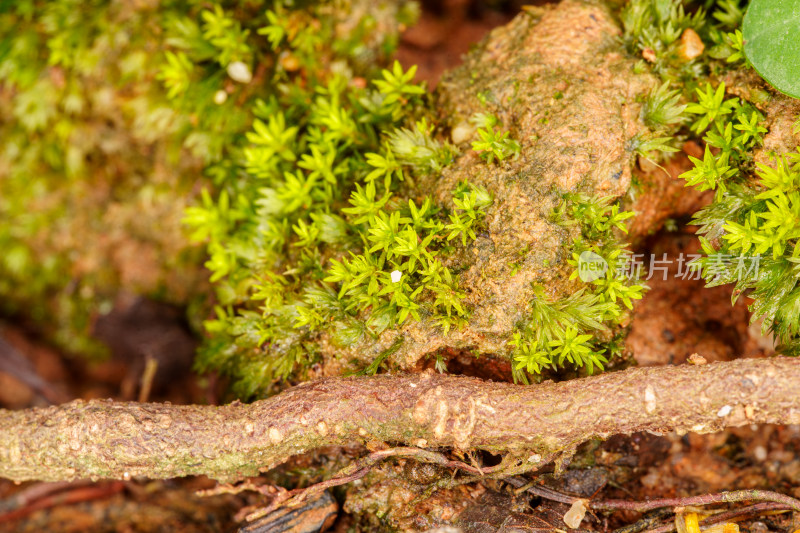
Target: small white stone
<point>220,97</point>
<point>725,410</point>
<point>760,453</point>
<point>535,458</point>
<point>126,476</point>
<point>462,133</point>
<point>575,515</point>
<point>396,276</point>
<point>240,72</point>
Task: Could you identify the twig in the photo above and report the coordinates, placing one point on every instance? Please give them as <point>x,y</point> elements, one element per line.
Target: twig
<point>529,425</point>
<point>770,502</point>
<point>81,493</point>
<point>706,499</point>
<point>734,514</point>
<point>357,470</point>
<point>744,513</point>
<point>775,499</point>
<point>35,492</point>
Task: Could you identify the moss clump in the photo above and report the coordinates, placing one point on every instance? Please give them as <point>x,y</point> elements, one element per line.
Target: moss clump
<point>750,231</point>
<point>93,178</point>
<point>316,228</point>
<point>350,217</point>
<point>325,246</point>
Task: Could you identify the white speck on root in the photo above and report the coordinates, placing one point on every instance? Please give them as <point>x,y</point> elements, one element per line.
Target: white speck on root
<point>649,399</point>
<point>275,435</point>
<point>725,410</point>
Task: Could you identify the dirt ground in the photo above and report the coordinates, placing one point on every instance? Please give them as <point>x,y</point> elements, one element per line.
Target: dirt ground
<point>676,319</point>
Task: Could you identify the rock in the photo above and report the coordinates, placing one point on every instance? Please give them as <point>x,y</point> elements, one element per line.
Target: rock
<point>560,81</point>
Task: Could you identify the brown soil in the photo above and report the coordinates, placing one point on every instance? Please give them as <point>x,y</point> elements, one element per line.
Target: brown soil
<point>677,318</point>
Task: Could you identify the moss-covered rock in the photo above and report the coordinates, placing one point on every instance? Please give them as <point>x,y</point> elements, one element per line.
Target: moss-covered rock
<point>560,80</point>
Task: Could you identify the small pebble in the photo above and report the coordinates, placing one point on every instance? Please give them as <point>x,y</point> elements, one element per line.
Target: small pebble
<point>760,453</point>
<point>240,72</point>
<point>575,515</point>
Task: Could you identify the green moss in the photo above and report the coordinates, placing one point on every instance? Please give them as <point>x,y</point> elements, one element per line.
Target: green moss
<point>82,129</point>
<point>749,232</point>
<point>580,329</point>
<point>265,107</point>
<point>494,143</point>
<point>316,233</point>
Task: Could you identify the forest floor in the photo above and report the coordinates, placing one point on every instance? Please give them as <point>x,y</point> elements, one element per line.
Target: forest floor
<point>675,320</point>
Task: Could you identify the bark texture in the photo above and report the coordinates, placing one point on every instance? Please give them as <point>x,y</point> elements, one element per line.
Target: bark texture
<point>106,439</point>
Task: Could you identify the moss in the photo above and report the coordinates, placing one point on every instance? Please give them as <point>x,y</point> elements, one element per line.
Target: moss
<point>342,225</point>
<point>338,300</point>
<point>92,176</point>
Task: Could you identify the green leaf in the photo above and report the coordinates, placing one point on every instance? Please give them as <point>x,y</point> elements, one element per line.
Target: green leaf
<point>770,30</point>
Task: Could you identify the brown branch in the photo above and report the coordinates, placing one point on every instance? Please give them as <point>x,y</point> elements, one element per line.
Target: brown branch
<point>769,501</point>
<point>76,494</point>
<point>733,496</point>
<point>105,439</point>
<point>744,513</point>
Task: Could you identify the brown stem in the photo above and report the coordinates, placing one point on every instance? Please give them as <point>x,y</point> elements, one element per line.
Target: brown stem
<point>357,470</point>
<point>106,439</point>
<point>80,493</point>
<point>706,499</point>
<point>743,513</point>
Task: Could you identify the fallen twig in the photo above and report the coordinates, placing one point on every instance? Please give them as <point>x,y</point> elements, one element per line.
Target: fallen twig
<point>742,513</point>
<point>733,496</point>
<point>769,501</point>
<point>79,493</point>
<point>532,424</point>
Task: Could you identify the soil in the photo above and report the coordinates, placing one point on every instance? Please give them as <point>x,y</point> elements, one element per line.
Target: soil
<point>675,320</point>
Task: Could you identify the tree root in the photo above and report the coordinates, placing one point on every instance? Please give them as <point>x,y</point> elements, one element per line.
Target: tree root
<point>106,439</point>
